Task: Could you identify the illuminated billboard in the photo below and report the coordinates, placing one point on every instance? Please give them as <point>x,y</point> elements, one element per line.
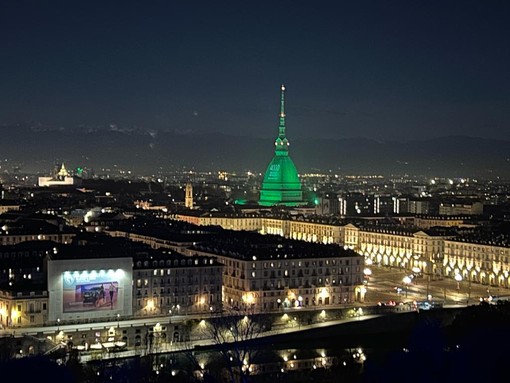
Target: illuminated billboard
<point>90,291</point>
<point>90,288</point>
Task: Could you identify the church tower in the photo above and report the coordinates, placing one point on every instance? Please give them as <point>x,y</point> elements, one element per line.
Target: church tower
<point>188,200</point>
<point>281,185</point>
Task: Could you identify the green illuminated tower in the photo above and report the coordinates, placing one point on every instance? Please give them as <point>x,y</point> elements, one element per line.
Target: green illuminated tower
<point>281,185</point>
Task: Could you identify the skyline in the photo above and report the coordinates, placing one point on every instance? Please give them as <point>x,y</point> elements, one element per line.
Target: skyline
<point>392,71</point>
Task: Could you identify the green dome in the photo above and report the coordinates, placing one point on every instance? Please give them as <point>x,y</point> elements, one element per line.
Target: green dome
<point>281,185</point>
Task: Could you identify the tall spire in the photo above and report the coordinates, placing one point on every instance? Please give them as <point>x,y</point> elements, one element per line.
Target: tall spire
<point>281,185</point>
<point>282,113</point>
<point>281,143</point>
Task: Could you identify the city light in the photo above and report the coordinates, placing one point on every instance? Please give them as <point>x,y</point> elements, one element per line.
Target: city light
<point>407,281</point>
<point>458,278</point>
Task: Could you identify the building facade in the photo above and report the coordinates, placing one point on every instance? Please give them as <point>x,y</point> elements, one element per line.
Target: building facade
<point>178,286</point>
<point>264,282</point>
<point>424,246</point>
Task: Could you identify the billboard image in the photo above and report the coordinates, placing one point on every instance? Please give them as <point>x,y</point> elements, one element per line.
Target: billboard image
<point>93,288</point>
<point>90,291</point>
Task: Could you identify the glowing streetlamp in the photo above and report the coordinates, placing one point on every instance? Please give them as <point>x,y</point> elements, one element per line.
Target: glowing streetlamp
<point>367,273</point>
<point>406,280</point>
<point>458,278</point>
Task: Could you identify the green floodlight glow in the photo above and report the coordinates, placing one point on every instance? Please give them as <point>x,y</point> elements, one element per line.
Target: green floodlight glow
<point>281,185</point>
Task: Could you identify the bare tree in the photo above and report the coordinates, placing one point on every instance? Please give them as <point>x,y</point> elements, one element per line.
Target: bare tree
<point>233,335</point>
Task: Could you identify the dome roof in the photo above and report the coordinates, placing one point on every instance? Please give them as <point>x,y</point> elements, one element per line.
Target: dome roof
<point>281,171</point>
<point>281,185</point>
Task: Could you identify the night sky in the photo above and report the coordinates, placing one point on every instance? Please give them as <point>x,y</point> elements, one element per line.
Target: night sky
<point>388,70</point>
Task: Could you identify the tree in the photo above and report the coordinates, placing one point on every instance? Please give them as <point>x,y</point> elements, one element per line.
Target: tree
<point>233,335</point>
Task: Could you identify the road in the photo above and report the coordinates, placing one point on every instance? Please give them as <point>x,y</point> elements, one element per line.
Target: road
<point>386,284</point>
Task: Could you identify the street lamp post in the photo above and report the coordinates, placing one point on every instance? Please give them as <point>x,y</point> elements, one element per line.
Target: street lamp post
<point>367,273</point>
<point>406,281</point>
<point>458,278</point>
<point>426,271</point>
<point>364,290</point>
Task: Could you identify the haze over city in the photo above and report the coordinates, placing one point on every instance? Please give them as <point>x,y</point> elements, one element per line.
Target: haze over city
<point>391,70</point>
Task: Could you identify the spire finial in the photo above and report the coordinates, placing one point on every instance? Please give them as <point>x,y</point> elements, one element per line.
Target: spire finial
<point>281,142</point>
<point>282,101</point>
<point>281,129</point>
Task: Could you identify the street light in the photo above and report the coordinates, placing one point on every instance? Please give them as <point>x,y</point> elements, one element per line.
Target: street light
<point>367,273</point>
<point>458,278</point>
<point>406,281</point>
<point>118,320</point>
<point>426,271</point>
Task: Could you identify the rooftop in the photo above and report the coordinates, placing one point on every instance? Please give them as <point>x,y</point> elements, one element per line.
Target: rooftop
<point>246,245</point>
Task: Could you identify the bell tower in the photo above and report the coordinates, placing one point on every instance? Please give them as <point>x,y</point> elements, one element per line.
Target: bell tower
<point>188,200</point>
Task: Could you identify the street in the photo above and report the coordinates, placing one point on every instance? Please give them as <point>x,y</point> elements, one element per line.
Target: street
<point>389,284</point>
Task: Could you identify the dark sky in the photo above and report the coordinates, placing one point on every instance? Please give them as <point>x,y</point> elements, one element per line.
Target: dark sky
<point>389,70</point>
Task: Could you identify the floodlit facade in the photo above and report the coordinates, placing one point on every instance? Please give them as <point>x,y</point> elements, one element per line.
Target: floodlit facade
<point>182,285</point>
<point>23,308</point>
<point>480,260</point>
<point>188,199</point>
<point>436,253</point>
<point>61,178</point>
<point>332,277</point>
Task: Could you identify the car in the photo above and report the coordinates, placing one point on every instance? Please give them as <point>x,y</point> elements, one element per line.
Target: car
<point>91,295</point>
